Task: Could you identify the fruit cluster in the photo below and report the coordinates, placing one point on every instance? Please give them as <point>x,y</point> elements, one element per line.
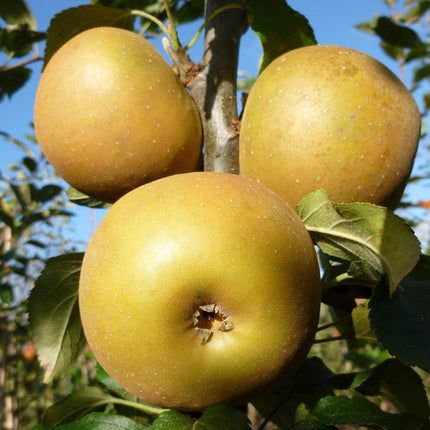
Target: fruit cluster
<point>201,287</point>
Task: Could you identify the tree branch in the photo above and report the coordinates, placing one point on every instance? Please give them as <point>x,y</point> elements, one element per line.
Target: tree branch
<point>214,88</point>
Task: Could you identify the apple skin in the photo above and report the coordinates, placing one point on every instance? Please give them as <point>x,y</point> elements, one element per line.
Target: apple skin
<point>333,118</point>
<point>110,114</point>
<point>190,240</point>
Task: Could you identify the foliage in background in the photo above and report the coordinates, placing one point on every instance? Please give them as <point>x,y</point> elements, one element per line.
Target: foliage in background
<point>34,215</point>
<point>404,36</point>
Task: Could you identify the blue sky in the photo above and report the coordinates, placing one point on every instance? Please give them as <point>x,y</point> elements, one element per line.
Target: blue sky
<point>333,22</point>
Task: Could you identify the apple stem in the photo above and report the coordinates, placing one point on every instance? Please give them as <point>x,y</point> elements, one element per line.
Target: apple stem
<point>332,339</point>
<point>144,407</point>
<point>172,26</point>
<point>155,20</point>
<point>210,18</point>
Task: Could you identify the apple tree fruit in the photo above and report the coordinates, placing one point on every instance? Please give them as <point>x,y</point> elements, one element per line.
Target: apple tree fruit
<point>200,288</point>
<point>110,114</point>
<point>334,118</point>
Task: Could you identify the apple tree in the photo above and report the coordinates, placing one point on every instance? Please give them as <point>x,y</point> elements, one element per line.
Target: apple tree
<point>374,277</point>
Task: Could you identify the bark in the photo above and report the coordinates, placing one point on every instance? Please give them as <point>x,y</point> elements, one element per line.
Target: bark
<point>214,87</point>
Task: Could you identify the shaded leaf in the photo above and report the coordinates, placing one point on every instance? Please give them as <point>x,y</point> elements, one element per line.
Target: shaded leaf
<point>100,421</point>
<point>190,11</point>
<point>36,243</point>
<point>221,416</point>
<point>279,27</point>
<point>395,34</point>
<point>6,293</point>
<point>23,193</point>
<point>422,269</point>
<point>417,11</point>
<point>402,322</point>
<point>73,21</point>
<point>11,80</point>
<point>82,199</point>
<point>17,12</point>
<point>422,73</point>
<point>173,419</point>
<point>54,315</point>
<point>312,381</point>
<point>398,383</point>
<point>394,51</point>
<point>7,214</point>
<point>110,383</point>
<point>421,51</point>
<point>310,425</point>
<point>48,192</point>
<point>30,163</point>
<point>358,411</point>
<point>18,41</point>
<point>361,232</point>
<point>77,404</point>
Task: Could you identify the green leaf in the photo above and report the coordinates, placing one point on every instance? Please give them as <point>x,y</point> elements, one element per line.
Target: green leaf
<point>398,383</point>
<point>422,73</point>
<point>310,425</point>
<point>190,11</point>
<point>48,192</point>
<point>30,163</point>
<point>102,421</point>
<point>18,41</point>
<point>358,411</point>
<point>11,80</point>
<point>110,383</point>
<point>222,416</point>
<point>17,12</point>
<point>395,34</point>
<point>402,322</point>
<point>279,27</point>
<point>77,404</point>
<point>361,232</point>
<point>361,323</point>
<point>172,419</point>
<point>73,21</point>
<point>6,293</point>
<point>82,199</point>
<point>416,12</point>
<point>422,269</point>
<point>7,213</point>
<point>54,315</point>
<point>23,193</point>
<point>313,380</point>
<point>420,52</point>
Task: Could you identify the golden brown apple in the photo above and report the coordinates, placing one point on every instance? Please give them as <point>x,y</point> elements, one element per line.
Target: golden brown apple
<point>110,114</point>
<point>333,118</point>
<point>200,288</point>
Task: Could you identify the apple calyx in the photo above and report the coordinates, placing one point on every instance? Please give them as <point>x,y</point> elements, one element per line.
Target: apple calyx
<point>208,319</point>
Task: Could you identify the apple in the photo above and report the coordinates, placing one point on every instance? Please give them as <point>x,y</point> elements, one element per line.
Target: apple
<point>199,288</point>
<point>110,114</point>
<point>29,353</point>
<point>333,118</point>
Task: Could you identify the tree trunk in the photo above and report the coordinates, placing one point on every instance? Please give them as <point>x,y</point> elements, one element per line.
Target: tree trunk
<point>214,88</point>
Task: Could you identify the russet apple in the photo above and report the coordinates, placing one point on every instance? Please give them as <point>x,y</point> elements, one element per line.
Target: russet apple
<point>333,118</point>
<point>200,288</point>
<point>110,114</point>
